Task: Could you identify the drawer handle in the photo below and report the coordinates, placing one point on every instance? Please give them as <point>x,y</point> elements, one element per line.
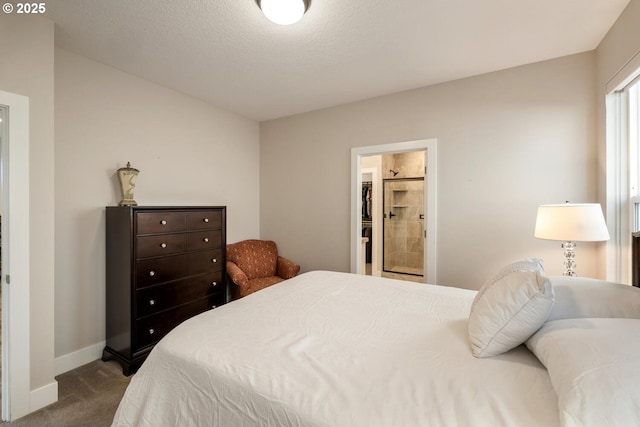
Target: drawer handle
<point>206,220</point>
<point>163,245</point>
<point>152,302</point>
<point>214,283</point>
<point>206,240</point>
<point>163,222</point>
<point>152,273</point>
<point>151,331</point>
<point>213,260</point>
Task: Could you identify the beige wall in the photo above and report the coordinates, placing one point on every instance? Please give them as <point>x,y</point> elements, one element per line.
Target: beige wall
<point>619,45</point>
<point>507,142</point>
<point>188,153</point>
<point>26,68</point>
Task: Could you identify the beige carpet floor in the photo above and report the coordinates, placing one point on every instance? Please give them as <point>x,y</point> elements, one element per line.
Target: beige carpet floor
<point>87,396</point>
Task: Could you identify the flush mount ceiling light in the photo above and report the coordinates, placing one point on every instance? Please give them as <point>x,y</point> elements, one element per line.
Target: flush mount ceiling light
<point>283,12</point>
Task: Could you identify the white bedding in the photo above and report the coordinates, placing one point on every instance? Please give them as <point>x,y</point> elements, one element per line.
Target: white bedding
<point>336,349</point>
<point>593,368</point>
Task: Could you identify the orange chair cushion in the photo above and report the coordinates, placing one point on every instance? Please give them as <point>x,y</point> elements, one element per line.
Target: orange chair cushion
<point>260,283</point>
<point>256,258</point>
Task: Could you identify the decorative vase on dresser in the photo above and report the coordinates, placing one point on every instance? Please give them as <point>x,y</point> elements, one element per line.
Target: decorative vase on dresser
<point>163,266</point>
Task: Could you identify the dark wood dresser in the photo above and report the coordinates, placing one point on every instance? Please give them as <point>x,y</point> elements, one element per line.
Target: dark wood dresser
<point>164,265</point>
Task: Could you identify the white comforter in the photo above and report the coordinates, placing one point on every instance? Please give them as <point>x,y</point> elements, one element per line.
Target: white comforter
<point>336,349</point>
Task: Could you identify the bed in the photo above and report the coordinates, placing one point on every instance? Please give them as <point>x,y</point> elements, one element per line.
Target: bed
<point>338,349</point>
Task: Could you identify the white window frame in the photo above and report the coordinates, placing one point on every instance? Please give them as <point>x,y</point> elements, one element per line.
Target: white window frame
<point>633,125</point>
<point>623,175</point>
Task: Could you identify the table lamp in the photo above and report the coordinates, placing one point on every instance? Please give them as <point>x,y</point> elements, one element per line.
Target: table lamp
<point>570,223</point>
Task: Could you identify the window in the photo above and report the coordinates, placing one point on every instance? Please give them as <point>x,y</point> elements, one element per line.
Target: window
<point>623,176</point>
<point>633,99</point>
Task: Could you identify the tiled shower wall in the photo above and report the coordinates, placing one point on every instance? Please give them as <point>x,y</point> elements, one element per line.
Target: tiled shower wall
<point>408,165</point>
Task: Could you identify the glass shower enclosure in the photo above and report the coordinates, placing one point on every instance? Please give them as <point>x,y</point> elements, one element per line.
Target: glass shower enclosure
<point>403,226</point>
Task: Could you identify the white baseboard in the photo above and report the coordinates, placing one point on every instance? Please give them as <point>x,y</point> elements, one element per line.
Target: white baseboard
<point>44,396</point>
<point>78,358</point>
<point>48,394</point>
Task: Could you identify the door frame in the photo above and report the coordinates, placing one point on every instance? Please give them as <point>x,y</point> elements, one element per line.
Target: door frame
<point>16,357</point>
<point>430,147</point>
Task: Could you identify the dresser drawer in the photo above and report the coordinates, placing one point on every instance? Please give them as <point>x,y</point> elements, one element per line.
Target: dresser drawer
<point>158,245</point>
<point>205,261</point>
<point>160,222</point>
<point>159,270</point>
<point>154,299</point>
<point>204,220</point>
<point>151,329</point>
<point>204,240</point>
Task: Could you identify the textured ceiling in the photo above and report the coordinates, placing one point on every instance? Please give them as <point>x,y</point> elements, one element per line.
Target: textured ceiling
<point>226,52</point>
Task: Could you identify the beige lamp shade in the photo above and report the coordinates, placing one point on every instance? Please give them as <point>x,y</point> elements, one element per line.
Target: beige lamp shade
<point>571,222</point>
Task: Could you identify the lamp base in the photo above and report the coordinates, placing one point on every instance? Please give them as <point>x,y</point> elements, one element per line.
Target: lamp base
<point>570,255</point>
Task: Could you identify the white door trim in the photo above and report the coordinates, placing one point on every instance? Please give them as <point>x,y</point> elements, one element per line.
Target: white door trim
<point>430,145</point>
<point>16,358</point>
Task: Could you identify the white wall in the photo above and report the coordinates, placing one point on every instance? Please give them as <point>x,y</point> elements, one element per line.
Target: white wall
<point>507,142</point>
<point>188,153</point>
<point>26,68</point>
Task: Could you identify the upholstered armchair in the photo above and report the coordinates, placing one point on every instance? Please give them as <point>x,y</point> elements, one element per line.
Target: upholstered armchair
<point>255,264</point>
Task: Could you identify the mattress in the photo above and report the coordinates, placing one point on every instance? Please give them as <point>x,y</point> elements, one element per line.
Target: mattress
<point>336,349</point>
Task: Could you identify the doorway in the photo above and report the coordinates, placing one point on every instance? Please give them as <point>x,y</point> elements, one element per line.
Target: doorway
<point>14,231</point>
<point>4,116</point>
<point>428,238</point>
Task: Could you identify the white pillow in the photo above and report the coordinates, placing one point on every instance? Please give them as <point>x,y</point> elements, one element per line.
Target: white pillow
<point>508,310</point>
<point>578,297</point>
<point>529,264</point>
<point>593,369</point>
